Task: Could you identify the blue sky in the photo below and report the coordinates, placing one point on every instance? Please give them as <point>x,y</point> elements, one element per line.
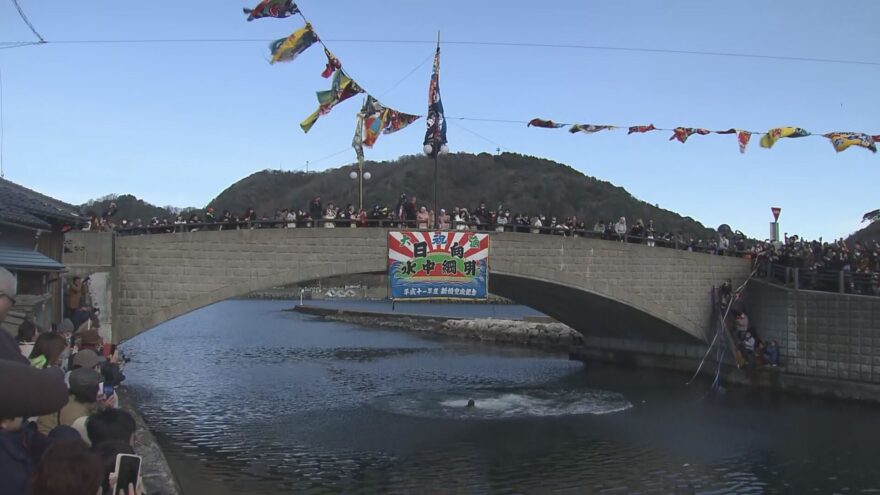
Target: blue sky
<point>177,123</point>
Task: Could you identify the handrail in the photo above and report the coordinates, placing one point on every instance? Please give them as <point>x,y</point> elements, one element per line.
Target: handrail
<point>824,280</point>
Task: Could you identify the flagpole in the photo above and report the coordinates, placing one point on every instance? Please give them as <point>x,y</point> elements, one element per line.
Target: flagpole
<point>436,168</point>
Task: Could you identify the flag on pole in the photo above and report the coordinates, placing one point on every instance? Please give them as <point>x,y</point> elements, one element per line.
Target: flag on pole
<point>287,49</point>
<point>342,88</point>
<point>272,8</point>
<point>357,142</point>
<point>435,137</point>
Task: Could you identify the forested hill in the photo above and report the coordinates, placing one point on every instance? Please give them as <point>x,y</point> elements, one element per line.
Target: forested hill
<point>521,183</point>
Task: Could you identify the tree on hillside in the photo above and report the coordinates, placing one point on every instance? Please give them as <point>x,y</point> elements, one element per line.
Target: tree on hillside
<point>872,216</point>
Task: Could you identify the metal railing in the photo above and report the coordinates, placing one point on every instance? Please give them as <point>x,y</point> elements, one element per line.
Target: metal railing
<point>819,279</point>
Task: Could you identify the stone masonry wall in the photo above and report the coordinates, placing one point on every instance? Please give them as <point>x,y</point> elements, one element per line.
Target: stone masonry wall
<point>159,277</point>
<point>820,334</point>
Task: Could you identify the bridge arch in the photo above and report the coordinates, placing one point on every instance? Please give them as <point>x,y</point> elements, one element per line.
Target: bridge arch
<point>597,287</point>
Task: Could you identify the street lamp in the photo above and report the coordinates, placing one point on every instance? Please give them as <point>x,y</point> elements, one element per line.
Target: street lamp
<point>360,176</point>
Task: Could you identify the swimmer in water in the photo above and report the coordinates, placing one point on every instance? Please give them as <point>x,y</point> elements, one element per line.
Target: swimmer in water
<point>471,403</point>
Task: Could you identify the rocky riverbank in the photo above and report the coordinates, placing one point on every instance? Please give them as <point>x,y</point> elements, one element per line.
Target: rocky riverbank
<point>546,335</point>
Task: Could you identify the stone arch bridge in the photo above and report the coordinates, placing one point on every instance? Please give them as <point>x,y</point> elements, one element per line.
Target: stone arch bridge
<point>598,287</point>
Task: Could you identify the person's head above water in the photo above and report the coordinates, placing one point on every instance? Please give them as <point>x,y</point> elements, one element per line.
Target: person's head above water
<point>471,403</point>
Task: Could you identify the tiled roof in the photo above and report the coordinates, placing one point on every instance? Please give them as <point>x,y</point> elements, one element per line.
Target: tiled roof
<point>20,205</point>
<point>27,259</point>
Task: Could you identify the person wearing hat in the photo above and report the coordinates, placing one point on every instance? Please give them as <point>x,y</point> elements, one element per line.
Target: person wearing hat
<point>87,358</point>
<point>89,338</point>
<point>83,400</point>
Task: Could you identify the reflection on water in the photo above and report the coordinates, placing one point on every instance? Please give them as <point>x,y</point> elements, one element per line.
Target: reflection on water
<point>248,399</point>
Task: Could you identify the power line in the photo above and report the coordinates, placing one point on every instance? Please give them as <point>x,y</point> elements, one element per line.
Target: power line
<point>404,78</point>
<point>484,138</point>
<point>26,21</point>
<point>501,44</point>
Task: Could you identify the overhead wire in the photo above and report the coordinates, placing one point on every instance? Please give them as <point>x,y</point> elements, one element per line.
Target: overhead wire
<point>27,21</point>
<point>508,44</point>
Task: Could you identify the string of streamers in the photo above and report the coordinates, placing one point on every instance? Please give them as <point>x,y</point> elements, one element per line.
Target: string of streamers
<point>839,140</point>
<point>374,118</point>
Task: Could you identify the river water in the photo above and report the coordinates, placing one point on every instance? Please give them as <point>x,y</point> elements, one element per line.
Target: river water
<point>246,398</point>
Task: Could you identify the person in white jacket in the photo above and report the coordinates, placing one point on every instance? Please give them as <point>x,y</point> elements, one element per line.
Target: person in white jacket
<point>620,229</point>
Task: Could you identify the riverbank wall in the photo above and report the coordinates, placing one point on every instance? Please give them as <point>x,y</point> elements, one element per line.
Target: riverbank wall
<point>155,471</point>
<point>678,356</point>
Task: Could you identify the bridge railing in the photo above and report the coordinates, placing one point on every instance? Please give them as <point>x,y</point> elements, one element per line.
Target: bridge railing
<point>820,279</point>
<point>652,240</point>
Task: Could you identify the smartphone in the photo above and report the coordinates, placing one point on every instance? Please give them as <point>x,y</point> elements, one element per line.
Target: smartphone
<point>128,471</point>
<point>108,390</point>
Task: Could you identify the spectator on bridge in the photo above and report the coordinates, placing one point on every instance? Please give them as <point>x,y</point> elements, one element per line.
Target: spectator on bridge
<point>289,217</point>
<point>462,219</point>
<point>423,218</point>
<point>481,213</point>
<point>330,216</point>
<point>444,222</point>
<point>502,221</point>
<point>650,232</point>
<point>537,224</point>
<point>620,229</point>
<point>637,232</point>
<point>409,212</point>
<point>27,334</point>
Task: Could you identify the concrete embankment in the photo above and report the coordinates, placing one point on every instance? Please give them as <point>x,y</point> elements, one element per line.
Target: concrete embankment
<point>156,472</point>
<point>545,335</point>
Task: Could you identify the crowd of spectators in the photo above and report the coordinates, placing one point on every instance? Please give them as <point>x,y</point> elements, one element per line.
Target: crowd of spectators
<point>61,428</point>
<point>836,266</point>
<point>409,213</point>
<point>819,263</point>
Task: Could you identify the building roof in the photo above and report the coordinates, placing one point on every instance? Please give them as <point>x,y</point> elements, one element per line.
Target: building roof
<point>15,258</point>
<point>22,206</point>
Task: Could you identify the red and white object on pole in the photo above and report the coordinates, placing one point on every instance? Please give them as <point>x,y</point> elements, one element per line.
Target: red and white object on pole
<point>776,211</point>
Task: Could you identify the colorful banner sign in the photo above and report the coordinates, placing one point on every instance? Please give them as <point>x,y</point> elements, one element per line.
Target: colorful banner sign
<point>438,265</point>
